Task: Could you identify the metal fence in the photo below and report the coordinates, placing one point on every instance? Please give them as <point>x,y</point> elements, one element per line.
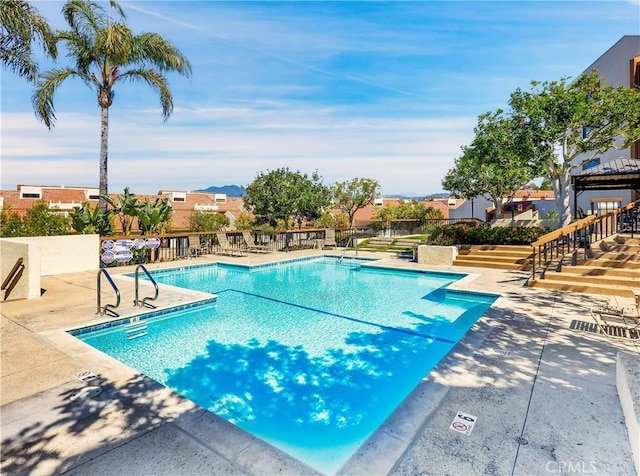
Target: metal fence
<point>177,246</point>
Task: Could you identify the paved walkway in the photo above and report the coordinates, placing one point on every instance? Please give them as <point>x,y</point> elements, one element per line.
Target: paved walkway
<point>544,395</point>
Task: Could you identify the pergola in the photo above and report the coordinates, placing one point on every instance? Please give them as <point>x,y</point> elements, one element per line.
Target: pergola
<point>617,174</point>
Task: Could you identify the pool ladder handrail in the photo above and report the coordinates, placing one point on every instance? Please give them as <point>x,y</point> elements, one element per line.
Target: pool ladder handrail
<point>107,308</point>
<point>144,303</point>
<point>350,240</point>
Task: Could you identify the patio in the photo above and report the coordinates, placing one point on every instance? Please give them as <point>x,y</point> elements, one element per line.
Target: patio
<point>543,391</point>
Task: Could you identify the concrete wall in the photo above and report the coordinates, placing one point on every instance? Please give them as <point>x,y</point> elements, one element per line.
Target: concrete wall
<point>445,255</point>
<point>28,277</point>
<point>47,256</point>
<point>64,254</point>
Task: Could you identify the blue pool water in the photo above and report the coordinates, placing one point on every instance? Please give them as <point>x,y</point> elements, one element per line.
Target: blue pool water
<point>311,356</point>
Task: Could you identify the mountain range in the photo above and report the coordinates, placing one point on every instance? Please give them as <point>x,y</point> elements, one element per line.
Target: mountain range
<point>228,190</point>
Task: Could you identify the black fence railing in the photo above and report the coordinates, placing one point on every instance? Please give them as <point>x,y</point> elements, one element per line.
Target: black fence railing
<point>119,250</point>
<point>575,239</point>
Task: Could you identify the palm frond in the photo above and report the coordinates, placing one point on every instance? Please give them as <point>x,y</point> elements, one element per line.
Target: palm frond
<point>153,49</point>
<point>156,81</point>
<point>42,98</point>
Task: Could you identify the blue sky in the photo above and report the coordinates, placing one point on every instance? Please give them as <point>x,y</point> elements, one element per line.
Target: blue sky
<point>383,90</point>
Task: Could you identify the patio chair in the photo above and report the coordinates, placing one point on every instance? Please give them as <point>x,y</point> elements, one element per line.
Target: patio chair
<point>196,248</point>
<point>226,248</point>
<point>251,245</point>
<point>329,237</point>
<point>617,322</point>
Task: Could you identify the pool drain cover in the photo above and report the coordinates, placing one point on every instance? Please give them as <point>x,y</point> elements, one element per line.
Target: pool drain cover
<point>86,392</point>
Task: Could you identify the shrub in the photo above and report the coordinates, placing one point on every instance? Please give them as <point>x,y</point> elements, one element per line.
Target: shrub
<point>484,235</point>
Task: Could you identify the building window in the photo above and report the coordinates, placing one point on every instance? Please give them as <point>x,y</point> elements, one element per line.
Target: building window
<point>635,72</point>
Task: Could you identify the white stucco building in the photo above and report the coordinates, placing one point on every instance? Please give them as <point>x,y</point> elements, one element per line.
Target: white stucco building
<point>620,66</point>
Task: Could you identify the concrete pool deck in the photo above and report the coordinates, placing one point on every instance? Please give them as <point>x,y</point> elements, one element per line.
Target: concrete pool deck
<point>543,393</point>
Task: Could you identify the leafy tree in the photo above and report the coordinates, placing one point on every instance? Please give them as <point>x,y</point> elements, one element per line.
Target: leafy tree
<point>495,165</point>
<point>39,220</point>
<point>154,218</point>
<point>412,210</point>
<point>10,223</point>
<point>570,122</point>
<point>20,26</point>
<point>244,222</point>
<point>355,194</point>
<point>546,184</point>
<point>329,220</point>
<point>125,208</point>
<point>105,52</point>
<point>208,221</point>
<point>86,220</point>
<point>287,196</point>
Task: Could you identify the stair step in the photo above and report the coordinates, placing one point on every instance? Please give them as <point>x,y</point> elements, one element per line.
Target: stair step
<point>503,254</point>
<point>581,288</point>
<point>609,263</point>
<point>588,280</point>
<point>499,259</point>
<point>631,272</point>
<point>518,248</point>
<point>492,265</point>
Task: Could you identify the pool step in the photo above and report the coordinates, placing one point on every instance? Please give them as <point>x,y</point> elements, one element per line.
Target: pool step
<point>133,330</point>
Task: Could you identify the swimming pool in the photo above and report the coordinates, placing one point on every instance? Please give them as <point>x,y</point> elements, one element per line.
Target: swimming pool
<point>311,356</point>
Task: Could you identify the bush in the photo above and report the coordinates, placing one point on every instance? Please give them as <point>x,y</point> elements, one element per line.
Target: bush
<point>462,234</point>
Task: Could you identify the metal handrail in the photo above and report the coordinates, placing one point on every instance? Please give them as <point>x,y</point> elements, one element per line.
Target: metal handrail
<point>13,277</point>
<point>144,303</point>
<point>108,308</point>
<point>346,247</point>
<point>579,235</point>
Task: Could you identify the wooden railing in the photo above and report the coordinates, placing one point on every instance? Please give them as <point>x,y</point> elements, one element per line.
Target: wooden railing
<point>577,237</point>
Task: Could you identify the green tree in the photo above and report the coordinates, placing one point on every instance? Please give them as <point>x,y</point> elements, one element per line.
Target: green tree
<point>39,220</point>
<point>87,220</point>
<point>244,222</point>
<point>20,26</point>
<point>287,196</point>
<point>412,210</point>
<point>546,184</point>
<point>571,123</point>
<point>10,223</point>
<point>496,163</point>
<point>355,194</point>
<point>154,218</point>
<point>207,221</point>
<point>125,208</point>
<point>107,52</point>
<point>330,220</point>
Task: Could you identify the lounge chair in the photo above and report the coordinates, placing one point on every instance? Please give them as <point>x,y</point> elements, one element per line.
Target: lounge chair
<point>329,238</point>
<point>196,248</point>
<point>226,248</point>
<point>617,322</point>
<point>251,245</point>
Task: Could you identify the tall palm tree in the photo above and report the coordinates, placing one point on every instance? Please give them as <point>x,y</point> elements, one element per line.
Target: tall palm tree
<point>105,52</point>
<point>20,26</point>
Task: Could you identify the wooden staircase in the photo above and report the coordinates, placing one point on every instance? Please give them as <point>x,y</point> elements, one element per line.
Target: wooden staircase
<point>613,271</point>
<point>512,257</point>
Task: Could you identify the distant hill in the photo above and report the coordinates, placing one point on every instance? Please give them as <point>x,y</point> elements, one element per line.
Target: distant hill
<point>427,197</point>
<point>228,190</point>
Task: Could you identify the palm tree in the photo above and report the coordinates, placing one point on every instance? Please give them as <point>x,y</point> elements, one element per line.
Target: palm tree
<point>105,52</point>
<point>20,25</point>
